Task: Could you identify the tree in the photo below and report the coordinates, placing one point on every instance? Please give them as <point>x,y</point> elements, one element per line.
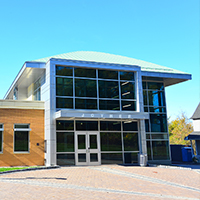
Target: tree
<point>179,129</point>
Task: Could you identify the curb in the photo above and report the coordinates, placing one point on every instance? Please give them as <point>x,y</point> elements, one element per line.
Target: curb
<point>30,169</point>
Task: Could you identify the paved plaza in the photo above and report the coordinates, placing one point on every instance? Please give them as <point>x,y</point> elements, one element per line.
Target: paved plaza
<point>102,182</point>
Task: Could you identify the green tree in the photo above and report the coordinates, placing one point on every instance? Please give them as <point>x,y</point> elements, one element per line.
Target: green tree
<point>179,129</point>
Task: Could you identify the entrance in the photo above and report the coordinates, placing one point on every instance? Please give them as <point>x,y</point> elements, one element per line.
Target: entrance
<point>87,148</point>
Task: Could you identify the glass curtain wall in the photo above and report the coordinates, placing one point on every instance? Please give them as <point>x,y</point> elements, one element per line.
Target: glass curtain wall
<point>82,88</point>
<point>156,127</point>
<point>118,140</point>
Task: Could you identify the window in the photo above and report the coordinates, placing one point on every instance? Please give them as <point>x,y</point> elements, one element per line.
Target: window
<point>1,137</point>
<point>21,138</point>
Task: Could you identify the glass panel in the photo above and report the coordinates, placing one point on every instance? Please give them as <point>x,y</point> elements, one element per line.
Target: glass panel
<point>86,125</point>
<point>111,158</point>
<point>146,109</point>
<point>81,157</point>
<point>127,75</point>
<point>64,71</point>
<point>21,126</point>
<point>93,141</point>
<point>130,126</point>
<point>109,105</point>
<point>85,88</point>
<point>64,125</point>
<point>144,85</point>
<point>159,136</point>
<point>85,103</point>
<point>93,157</point>
<point>158,123</point>
<point>156,98</point>
<point>81,142</point>
<point>127,90</point>
<point>149,150</point>
<point>65,159</point>
<point>106,74</point>
<point>155,86</point>
<point>148,136</point>
<point>1,140</point>
<point>145,97</point>
<point>111,141</point>
<point>108,89</point>
<point>157,109</point>
<point>64,86</point>
<point>64,102</point>
<point>65,142</point>
<point>21,141</point>
<point>83,72</point>
<point>129,105</point>
<point>146,125</point>
<point>110,126</point>
<point>130,141</point>
<point>1,125</point>
<point>130,158</point>
<point>160,150</point>
<point>152,78</point>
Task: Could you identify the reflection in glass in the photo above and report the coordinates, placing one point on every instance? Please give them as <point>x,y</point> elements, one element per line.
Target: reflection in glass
<point>127,90</point>
<point>93,157</point>
<point>157,109</point>
<point>149,150</point>
<point>64,125</point>
<point>64,71</point>
<point>159,136</point>
<point>111,141</point>
<point>158,123</point>
<point>155,86</point>
<point>65,159</point>
<point>144,85</point>
<point>107,74</point>
<point>145,97</point>
<point>81,157</point>
<point>93,141</point>
<point>81,142</point>
<point>127,75</point>
<point>1,135</point>
<point>111,158</point>
<point>108,89</point>
<point>156,98</point>
<point>129,105</point>
<point>110,126</point>
<point>83,72</point>
<point>64,86</point>
<point>109,105</point>
<point>87,125</point>
<point>146,125</point>
<point>148,136</point>
<point>65,142</point>
<point>64,102</point>
<point>85,103</point>
<point>85,88</point>
<point>21,142</point>
<point>130,141</point>
<point>160,150</point>
<point>130,126</point>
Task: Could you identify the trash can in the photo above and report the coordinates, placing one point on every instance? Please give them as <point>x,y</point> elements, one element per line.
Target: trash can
<point>187,154</point>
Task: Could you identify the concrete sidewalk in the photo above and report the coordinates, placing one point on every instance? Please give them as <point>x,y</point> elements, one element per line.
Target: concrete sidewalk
<point>102,182</point>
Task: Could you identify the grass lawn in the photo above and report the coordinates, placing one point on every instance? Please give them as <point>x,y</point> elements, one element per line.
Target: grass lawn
<point>3,169</point>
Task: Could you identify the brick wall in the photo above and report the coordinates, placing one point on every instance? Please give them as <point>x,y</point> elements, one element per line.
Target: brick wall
<point>35,118</point>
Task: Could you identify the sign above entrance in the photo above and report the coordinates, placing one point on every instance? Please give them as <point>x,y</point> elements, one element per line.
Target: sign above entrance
<point>100,115</point>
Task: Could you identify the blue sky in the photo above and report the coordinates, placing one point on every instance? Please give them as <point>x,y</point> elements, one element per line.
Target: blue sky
<point>164,32</point>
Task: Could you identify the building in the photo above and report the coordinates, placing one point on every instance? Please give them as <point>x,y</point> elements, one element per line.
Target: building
<point>195,135</point>
<point>98,108</point>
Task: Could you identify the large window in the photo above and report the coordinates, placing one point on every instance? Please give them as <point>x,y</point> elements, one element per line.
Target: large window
<point>1,137</point>
<point>21,138</point>
<point>156,127</point>
<point>83,88</point>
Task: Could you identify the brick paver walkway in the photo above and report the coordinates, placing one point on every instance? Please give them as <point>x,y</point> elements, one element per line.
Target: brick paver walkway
<point>102,182</point>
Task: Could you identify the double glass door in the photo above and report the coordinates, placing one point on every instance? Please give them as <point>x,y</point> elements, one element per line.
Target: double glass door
<point>87,145</point>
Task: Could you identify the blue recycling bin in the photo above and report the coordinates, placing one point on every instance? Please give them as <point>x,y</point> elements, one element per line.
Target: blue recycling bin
<point>187,154</point>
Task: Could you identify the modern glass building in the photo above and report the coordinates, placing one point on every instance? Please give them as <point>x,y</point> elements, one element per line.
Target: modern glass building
<point>99,108</point>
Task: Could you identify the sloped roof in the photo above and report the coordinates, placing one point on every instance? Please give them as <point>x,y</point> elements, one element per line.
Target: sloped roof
<point>91,56</point>
<point>196,114</point>
<point>193,136</point>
